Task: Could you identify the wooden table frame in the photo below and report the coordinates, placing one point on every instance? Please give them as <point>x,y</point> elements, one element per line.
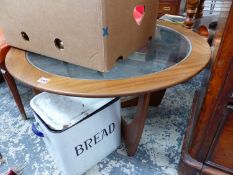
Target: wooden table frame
<point>146,86</point>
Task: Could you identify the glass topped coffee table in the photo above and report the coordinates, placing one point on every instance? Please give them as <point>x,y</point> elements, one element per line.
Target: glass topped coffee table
<point>175,55</point>
<point>165,50</point>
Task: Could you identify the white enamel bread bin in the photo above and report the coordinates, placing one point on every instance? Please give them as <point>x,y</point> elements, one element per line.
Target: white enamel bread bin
<point>78,132</point>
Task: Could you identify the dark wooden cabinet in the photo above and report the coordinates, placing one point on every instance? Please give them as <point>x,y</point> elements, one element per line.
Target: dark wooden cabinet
<point>169,7</point>
<point>208,143</point>
<point>221,150</point>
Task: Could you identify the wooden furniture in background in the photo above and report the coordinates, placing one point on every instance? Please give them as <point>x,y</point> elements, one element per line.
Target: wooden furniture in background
<point>200,9</point>
<point>195,8</point>
<point>191,10</point>
<point>207,148</point>
<point>169,7</point>
<point>143,86</point>
<point>9,79</point>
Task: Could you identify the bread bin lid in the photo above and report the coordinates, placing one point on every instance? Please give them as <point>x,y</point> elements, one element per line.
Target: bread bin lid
<point>61,112</point>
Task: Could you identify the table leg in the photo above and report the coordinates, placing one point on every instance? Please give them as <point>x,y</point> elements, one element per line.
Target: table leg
<point>1,78</point>
<point>36,91</point>
<point>12,86</point>
<point>155,99</point>
<point>132,132</point>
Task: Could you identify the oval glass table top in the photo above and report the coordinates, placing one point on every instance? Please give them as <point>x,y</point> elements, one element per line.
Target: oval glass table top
<point>174,56</point>
<point>168,48</point>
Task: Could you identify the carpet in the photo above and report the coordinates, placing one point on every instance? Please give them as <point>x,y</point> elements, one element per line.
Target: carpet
<point>158,152</point>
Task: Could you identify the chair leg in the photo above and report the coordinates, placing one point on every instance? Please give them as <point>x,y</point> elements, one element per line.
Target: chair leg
<point>12,86</point>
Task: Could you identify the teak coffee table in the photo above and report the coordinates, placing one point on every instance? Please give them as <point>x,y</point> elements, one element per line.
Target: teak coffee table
<point>174,56</point>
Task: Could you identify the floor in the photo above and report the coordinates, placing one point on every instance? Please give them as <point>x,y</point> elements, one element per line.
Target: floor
<point>158,153</point>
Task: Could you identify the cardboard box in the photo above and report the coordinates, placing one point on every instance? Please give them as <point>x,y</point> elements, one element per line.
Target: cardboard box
<point>93,34</point>
<point>78,132</point>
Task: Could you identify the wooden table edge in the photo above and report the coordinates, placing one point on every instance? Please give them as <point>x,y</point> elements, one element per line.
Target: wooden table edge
<point>192,65</point>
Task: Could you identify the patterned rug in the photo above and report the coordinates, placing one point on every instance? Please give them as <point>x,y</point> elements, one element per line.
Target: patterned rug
<point>158,153</point>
